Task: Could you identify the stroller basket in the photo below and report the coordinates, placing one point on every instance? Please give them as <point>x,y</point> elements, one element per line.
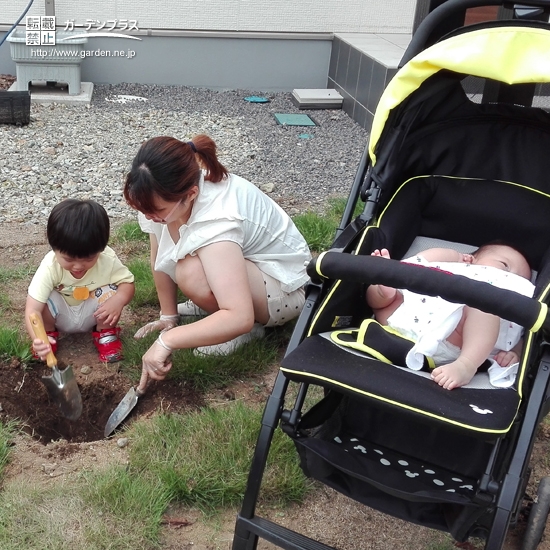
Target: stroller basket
<point>411,478</point>
<point>15,107</point>
<point>345,453</point>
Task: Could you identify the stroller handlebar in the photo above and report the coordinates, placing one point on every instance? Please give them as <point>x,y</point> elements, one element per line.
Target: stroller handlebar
<point>527,312</point>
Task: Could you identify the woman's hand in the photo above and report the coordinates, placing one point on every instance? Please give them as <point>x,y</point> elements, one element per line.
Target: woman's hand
<point>166,322</point>
<point>157,362</point>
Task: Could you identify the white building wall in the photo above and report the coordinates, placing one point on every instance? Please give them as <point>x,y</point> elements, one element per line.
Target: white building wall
<point>366,16</point>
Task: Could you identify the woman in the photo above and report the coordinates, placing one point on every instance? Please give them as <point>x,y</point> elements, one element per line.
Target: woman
<point>229,248</point>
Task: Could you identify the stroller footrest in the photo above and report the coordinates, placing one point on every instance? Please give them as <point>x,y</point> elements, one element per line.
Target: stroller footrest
<point>279,535</point>
<point>487,412</point>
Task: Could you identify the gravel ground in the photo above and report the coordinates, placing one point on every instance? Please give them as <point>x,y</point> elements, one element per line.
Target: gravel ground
<point>84,152</point>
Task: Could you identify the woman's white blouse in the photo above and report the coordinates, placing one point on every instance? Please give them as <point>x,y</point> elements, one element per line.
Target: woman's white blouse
<point>236,210</point>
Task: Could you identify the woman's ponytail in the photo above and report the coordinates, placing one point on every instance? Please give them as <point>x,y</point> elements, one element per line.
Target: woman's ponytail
<point>205,148</point>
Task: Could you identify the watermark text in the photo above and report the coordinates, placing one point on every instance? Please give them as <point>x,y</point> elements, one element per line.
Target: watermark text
<point>41,30</point>
<point>54,52</point>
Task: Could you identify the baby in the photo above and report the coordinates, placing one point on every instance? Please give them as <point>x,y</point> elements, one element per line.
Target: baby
<point>473,339</point>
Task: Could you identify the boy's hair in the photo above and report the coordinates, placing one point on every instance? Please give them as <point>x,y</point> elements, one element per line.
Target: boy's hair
<point>78,228</point>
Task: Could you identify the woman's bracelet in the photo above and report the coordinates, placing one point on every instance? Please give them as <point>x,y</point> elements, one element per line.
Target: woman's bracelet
<point>161,342</point>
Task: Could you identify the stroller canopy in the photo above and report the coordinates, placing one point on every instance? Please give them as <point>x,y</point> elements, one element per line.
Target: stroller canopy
<point>497,53</point>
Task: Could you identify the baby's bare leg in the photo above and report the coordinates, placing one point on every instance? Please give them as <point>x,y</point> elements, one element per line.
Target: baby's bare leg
<point>479,336</point>
<point>383,300</point>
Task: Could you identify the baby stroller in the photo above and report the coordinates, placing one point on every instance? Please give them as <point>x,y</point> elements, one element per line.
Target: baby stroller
<point>447,166</point>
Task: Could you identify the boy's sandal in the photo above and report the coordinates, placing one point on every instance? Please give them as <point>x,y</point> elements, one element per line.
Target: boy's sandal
<point>108,344</point>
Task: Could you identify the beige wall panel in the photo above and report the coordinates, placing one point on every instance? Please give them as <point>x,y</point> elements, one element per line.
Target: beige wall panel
<point>369,16</point>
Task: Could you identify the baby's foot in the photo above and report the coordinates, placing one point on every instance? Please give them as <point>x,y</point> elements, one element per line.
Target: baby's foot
<point>383,253</point>
<point>455,374</point>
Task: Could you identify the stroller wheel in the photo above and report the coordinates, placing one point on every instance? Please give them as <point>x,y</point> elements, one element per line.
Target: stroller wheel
<point>538,516</point>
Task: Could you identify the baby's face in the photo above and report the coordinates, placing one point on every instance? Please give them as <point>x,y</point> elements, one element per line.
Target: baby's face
<point>505,258</point>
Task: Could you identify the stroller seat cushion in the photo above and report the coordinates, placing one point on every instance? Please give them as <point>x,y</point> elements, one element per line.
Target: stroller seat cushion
<point>319,360</point>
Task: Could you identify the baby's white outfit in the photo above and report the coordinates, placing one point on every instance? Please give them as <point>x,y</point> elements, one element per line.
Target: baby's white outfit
<point>429,320</point>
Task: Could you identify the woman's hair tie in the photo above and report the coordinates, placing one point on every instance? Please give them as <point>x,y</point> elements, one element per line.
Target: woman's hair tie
<point>192,145</point>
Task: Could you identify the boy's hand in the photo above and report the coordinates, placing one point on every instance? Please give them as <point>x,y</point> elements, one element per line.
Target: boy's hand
<point>384,253</point>
<point>41,349</point>
<point>108,313</point>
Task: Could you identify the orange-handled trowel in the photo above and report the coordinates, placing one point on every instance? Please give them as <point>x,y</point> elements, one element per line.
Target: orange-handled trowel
<point>61,385</point>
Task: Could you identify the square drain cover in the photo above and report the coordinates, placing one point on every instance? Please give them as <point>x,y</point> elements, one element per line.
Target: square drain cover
<point>293,120</point>
<point>317,99</point>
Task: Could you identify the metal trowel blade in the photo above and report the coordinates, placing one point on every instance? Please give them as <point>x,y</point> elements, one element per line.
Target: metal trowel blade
<point>123,409</point>
<point>63,390</point>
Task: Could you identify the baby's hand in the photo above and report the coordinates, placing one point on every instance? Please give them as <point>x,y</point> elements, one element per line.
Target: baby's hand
<point>506,358</point>
<point>467,258</point>
<point>383,253</point>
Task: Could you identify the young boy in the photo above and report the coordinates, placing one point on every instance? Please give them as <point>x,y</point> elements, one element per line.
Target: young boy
<point>81,285</point>
<point>471,335</point>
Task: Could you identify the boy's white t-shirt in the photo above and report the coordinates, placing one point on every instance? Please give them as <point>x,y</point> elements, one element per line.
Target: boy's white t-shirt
<point>51,276</point>
<point>236,210</point>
